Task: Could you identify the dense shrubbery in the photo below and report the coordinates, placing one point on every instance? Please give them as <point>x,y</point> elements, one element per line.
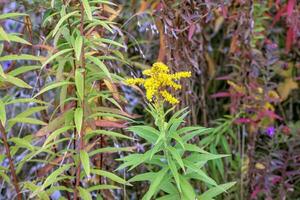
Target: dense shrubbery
<point>74,122</point>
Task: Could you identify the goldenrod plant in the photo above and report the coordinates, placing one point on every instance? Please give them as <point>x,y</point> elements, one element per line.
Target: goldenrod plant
<point>173,162</point>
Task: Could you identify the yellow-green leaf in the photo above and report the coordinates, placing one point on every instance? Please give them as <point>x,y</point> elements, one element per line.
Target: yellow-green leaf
<point>2,113</point>
<point>52,86</point>
<point>78,46</point>
<point>78,118</point>
<point>79,82</point>
<point>84,157</point>
<point>87,9</point>
<point>84,194</point>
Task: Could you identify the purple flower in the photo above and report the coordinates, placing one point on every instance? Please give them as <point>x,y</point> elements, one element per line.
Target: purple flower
<point>270,131</point>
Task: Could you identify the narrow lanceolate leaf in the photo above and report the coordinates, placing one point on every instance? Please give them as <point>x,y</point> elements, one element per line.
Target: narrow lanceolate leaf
<point>61,21</point>
<point>84,157</point>
<point>108,175</point>
<point>23,143</point>
<point>79,82</point>
<point>15,38</point>
<point>84,194</point>
<point>215,191</point>
<point>52,177</point>
<point>87,9</point>
<point>176,156</point>
<point>78,118</point>
<point>20,57</point>
<point>78,46</point>
<point>56,133</point>
<point>100,64</point>
<point>27,120</point>
<point>155,184</point>
<point>52,86</point>
<point>11,15</point>
<point>187,189</point>
<point>2,113</point>
<point>108,133</point>
<point>2,74</point>
<point>16,81</point>
<point>55,56</point>
<point>23,69</point>
<point>3,35</point>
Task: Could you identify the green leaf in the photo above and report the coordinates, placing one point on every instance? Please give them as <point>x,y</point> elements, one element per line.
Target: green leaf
<point>108,133</point>
<point>85,160</point>
<point>102,187</point>
<point>16,81</point>
<point>25,100</point>
<point>19,57</point>
<point>54,134</point>
<point>55,56</point>
<point>2,113</point>
<point>108,175</point>
<point>78,46</point>
<point>61,21</point>
<point>155,183</point>
<point>100,64</point>
<point>187,189</point>
<point>2,72</point>
<point>3,35</point>
<point>148,133</point>
<point>111,150</point>
<point>87,9</point>
<point>84,194</point>
<point>78,118</point>
<point>22,143</point>
<point>23,69</point>
<point>53,176</point>
<point>31,110</point>
<point>175,173</point>
<point>15,38</point>
<point>79,82</point>
<point>5,177</point>
<point>202,175</point>
<point>52,86</point>
<point>27,120</point>
<point>104,40</point>
<point>215,191</point>
<point>176,156</point>
<point>11,15</point>
<point>169,197</point>
<point>149,176</point>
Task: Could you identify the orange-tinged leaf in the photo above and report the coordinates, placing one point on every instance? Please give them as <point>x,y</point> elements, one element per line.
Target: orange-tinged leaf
<point>110,124</point>
<point>286,87</point>
<point>211,65</point>
<point>113,89</point>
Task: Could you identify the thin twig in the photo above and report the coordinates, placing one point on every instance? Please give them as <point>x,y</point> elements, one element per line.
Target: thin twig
<point>81,141</point>
<point>11,163</point>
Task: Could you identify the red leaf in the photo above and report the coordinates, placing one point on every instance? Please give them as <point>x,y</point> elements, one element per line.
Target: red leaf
<point>110,124</point>
<point>290,7</point>
<point>191,31</point>
<point>243,121</point>
<point>290,36</point>
<point>279,14</point>
<point>220,94</point>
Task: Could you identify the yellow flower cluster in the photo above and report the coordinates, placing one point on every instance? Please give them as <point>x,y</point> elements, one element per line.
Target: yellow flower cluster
<point>158,81</point>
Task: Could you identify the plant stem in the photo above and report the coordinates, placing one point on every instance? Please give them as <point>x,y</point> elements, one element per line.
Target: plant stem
<point>11,163</point>
<point>81,141</point>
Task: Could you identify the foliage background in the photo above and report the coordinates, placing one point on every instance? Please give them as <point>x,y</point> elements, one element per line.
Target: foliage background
<point>244,58</point>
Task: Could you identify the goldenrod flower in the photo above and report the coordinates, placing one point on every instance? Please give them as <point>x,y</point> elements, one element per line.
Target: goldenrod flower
<point>158,81</point>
